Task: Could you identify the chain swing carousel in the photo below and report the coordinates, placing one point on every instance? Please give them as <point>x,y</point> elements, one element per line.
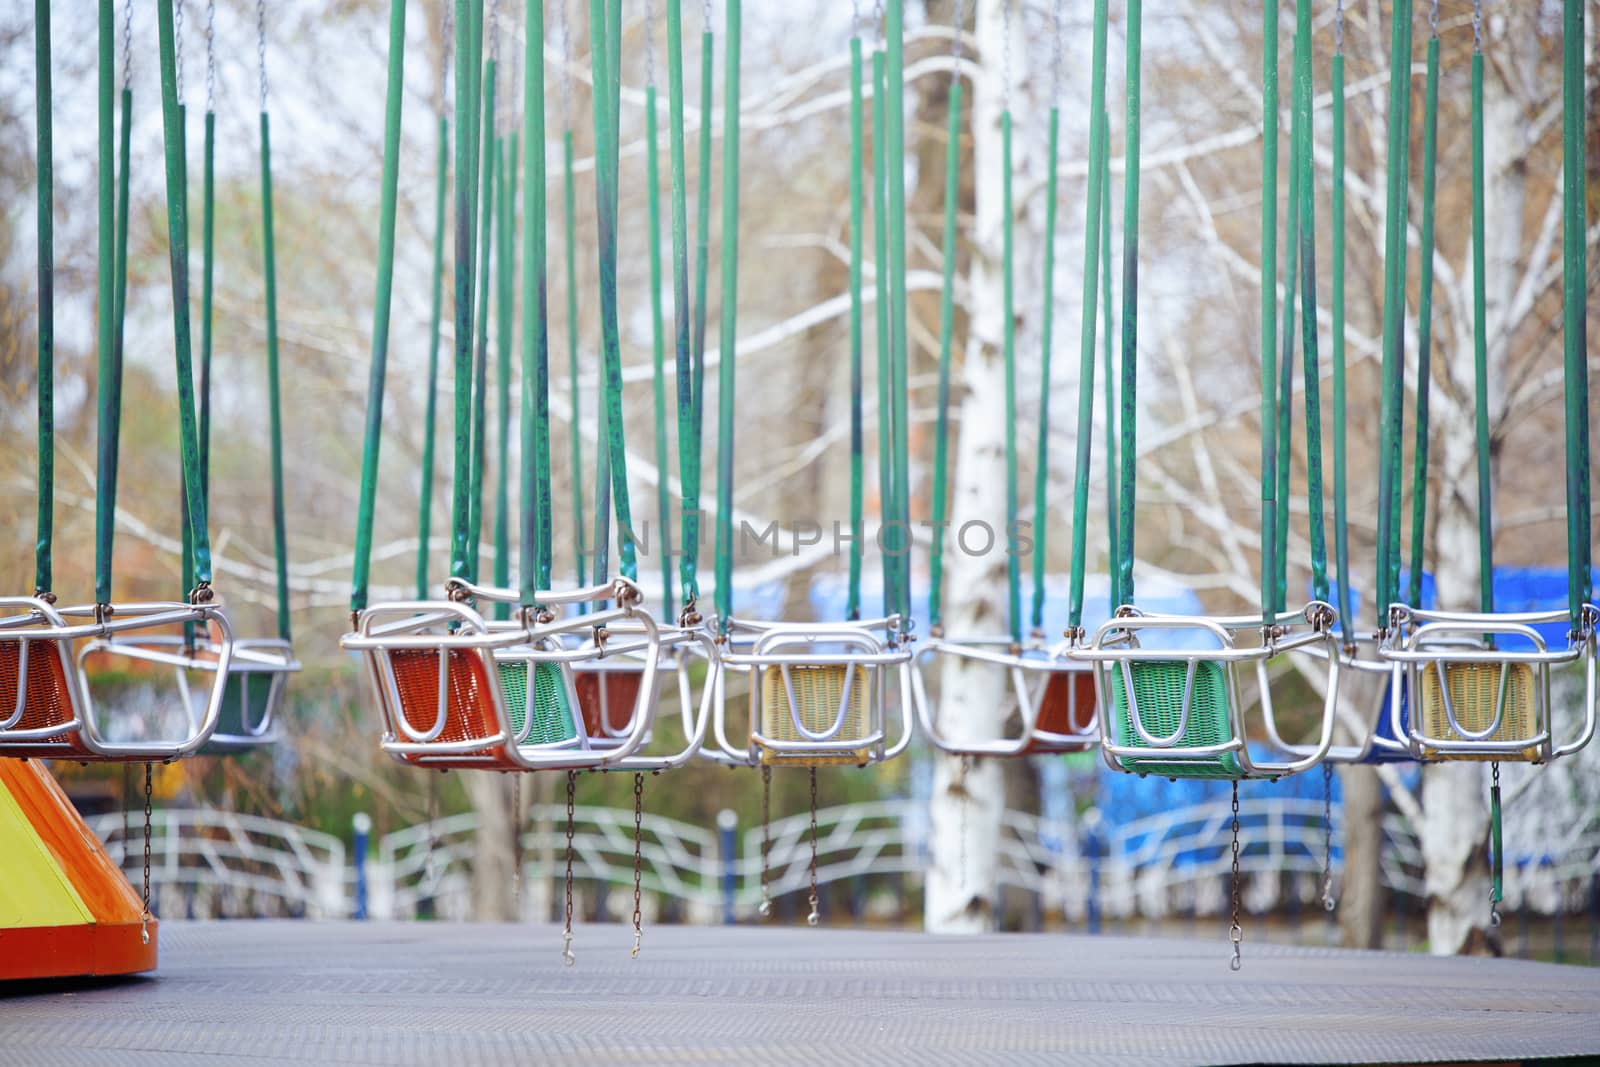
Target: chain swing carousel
<point>820,693</point>
<point>48,654</point>
<point>520,688</point>
<point>1054,695</point>
<point>1479,682</point>
<point>1179,713</point>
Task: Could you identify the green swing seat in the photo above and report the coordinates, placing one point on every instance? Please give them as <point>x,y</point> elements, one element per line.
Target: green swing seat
<point>1158,688</point>
<point>551,710</point>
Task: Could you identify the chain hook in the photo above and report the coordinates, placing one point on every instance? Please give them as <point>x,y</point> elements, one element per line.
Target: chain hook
<point>1235,931</point>
<point>144,917</point>
<point>638,860</point>
<point>1329,903</point>
<point>815,916</point>
<point>765,907</point>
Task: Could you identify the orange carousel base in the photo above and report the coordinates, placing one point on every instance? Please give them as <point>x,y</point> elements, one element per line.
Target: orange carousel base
<point>65,909</point>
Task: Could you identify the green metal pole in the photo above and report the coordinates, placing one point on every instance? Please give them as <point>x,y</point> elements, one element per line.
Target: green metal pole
<point>658,346</point>
<point>535,566</point>
<point>1130,305</point>
<point>1269,310</point>
<point>857,420</point>
<point>901,558</point>
<point>1341,521</point>
<point>42,576</point>
<point>107,369</point>
<point>373,435</point>
<point>730,293</point>
<point>1419,476</point>
<point>688,430</point>
<point>1574,292</point>
<point>269,265</point>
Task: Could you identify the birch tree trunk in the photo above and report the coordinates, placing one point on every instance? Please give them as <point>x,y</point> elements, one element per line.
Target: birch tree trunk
<point>492,888</point>
<point>969,796</point>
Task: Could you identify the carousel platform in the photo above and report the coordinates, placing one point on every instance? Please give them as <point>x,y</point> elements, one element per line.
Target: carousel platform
<point>260,992</point>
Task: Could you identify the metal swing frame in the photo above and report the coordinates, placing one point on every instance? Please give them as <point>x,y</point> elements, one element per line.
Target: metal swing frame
<point>1115,646</point>
<point>1421,642</point>
<point>42,626</point>
<point>1391,706</point>
<point>1030,670</point>
<point>453,628</point>
<point>864,650</point>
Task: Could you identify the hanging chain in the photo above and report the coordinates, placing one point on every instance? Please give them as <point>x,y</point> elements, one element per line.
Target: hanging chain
<point>855,18</point>
<point>812,919</point>
<point>1328,901</point>
<point>705,15</point>
<point>177,44</point>
<point>766,836</point>
<point>447,35</point>
<point>879,22</point>
<point>1235,931</point>
<point>144,917</point>
<point>127,44</point>
<point>1338,26</point>
<point>516,843</point>
<point>1495,860</point>
<point>211,55</point>
<point>566,935</point>
<point>494,31</point>
<point>959,42</point>
<point>1477,25</point>
<point>1433,18</point>
<point>638,858</point>
<point>261,49</point>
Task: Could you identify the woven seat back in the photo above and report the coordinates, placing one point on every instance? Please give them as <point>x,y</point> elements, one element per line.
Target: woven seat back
<point>549,707</point>
<point>1474,690</point>
<point>47,697</point>
<point>612,716</point>
<point>1158,687</point>
<point>1065,707</point>
<point>469,713</point>
<point>818,690</point>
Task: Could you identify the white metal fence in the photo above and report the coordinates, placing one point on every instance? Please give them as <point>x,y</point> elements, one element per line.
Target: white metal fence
<point>206,862</point>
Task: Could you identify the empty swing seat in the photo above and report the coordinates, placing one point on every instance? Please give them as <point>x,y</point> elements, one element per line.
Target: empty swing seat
<point>819,693</point>
<point>1178,714</point>
<point>47,709</point>
<point>455,690</point>
<point>1476,700</point>
<point>1160,689</point>
<point>1052,696</point>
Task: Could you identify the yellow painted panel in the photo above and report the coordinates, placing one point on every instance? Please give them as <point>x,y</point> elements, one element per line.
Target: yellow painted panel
<point>35,891</point>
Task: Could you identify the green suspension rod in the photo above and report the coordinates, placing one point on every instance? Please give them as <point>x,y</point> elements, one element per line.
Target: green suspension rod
<point>480,363</point>
<point>42,577</point>
<point>702,251</point>
<point>466,109</point>
<point>431,409</point>
<point>1574,293</point>
<point>1130,306</point>
<point>1109,340</point>
<point>658,344</point>
<point>881,310</point>
<point>857,380</point>
<point>730,292</point>
<point>607,79</point>
<point>1341,521</point>
<point>207,269</point>
<point>1283,428</point>
<point>535,527</point>
<point>1308,305</point>
<point>373,436</point>
<point>1041,471</point>
<point>109,414</point>
<point>895,75</point>
<point>574,428</point>
<point>178,236</point>
<point>269,266</point>
<point>1391,413</point>
<point>1419,476</point>
<point>1480,339</point>
<point>1096,227</point>
<point>1269,311</point>
<point>688,430</point>
<point>505,310</point>
<point>947,325</point>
